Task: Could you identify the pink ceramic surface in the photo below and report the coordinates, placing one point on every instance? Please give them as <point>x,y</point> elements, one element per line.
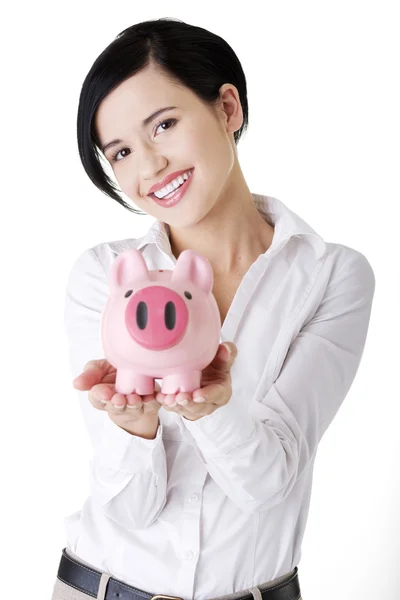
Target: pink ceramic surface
<point>160,324</point>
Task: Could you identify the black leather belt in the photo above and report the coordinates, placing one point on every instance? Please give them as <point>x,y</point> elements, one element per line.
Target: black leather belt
<point>87,580</point>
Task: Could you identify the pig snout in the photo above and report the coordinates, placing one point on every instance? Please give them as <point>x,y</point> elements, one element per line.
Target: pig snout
<point>156,317</point>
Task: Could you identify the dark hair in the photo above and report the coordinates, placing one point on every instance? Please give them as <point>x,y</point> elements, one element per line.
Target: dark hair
<point>190,55</point>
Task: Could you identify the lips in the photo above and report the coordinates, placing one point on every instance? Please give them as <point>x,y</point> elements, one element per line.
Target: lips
<point>176,196</point>
<point>167,180</point>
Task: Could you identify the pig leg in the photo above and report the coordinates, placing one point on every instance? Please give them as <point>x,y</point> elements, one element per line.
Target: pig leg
<point>181,382</point>
<point>129,382</point>
<point>144,385</point>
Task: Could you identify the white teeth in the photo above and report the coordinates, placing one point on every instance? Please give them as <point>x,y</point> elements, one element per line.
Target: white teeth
<point>173,185</point>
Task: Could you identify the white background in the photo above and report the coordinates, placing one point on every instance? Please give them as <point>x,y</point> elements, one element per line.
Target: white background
<point>323,137</point>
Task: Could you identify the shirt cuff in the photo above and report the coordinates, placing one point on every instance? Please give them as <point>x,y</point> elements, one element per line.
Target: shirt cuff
<point>221,431</point>
<point>123,451</point>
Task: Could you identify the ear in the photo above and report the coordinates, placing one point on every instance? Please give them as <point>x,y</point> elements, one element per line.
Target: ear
<point>128,268</point>
<point>194,267</point>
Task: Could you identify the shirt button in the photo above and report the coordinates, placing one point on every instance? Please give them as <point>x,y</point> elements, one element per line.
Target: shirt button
<point>189,555</point>
<point>193,498</point>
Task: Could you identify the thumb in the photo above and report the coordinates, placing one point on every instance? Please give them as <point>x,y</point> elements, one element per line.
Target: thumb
<point>93,373</point>
<point>227,351</point>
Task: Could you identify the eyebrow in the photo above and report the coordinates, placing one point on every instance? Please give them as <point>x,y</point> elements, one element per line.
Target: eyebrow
<point>145,122</point>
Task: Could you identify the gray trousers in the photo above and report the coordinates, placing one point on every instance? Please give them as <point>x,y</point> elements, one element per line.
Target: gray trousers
<point>63,591</point>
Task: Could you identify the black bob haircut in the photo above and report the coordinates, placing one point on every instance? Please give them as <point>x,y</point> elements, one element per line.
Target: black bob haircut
<point>189,55</point>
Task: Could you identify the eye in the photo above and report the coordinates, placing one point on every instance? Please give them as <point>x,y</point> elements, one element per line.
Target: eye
<point>114,156</point>
<point>173,121</point>
<point>188,295</point>
<point>128,293</point>
<point>167,121</point>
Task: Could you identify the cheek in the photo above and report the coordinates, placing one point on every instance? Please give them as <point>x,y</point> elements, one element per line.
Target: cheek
<point>127,181</point>
<point>187,148</point>
<point>198,141</point>
<point>212,146</point>
<point>218,160</point>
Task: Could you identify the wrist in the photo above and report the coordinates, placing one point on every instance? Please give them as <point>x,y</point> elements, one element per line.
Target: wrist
<point>146,427</point>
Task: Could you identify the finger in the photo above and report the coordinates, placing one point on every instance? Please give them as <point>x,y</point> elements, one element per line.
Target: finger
<point>118,400</point>
<point>215,393</point>
<point>160,397</point>
<point>102,391</point>
<point>179,399</point>
<point>134,400</point>
<point>115,410</point>
<point>96,403</point>
<point>151,407</point>
<point>117,404</point>
<point>222,360</point>
<point>169,399</point>
<point>93,372</point>
<point>148,398</point>
<point>183,398</point>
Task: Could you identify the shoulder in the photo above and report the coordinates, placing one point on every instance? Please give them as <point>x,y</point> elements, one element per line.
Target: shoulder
<point>327,263</point>
<point>341,259</point>
<point>345,277</point>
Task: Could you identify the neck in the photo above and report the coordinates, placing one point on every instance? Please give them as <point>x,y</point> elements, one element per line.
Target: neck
<point>231,236</point>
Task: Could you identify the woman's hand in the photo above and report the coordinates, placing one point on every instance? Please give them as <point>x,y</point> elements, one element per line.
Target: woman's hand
<point>216,388</point>
<point>98,378</point>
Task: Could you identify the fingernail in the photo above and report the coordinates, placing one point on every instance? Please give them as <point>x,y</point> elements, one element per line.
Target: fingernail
<point>228,349</point>
<point>201,399</point>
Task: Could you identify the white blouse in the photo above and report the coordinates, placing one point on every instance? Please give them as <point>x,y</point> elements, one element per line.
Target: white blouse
<point>218,505</point>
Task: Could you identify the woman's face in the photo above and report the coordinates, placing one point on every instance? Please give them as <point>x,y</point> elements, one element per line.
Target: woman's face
<point>191,136</point>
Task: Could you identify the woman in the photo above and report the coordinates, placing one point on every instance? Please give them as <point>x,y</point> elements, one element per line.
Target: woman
<point>209,498</point>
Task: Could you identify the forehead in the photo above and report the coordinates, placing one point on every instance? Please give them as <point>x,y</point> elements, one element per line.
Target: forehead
<point>136,98</point>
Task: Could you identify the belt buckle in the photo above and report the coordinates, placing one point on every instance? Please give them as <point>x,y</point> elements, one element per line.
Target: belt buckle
<point>159,596</point>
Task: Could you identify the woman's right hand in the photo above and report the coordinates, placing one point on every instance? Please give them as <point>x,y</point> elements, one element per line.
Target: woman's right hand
<point>98,377</point>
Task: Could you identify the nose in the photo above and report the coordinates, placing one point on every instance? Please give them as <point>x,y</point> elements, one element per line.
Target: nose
<point>156,317</point>
<point>151,162</point>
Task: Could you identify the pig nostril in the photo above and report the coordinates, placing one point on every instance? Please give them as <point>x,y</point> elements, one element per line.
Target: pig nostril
<point>128,293</point>
<point>170,315</point>
<point>141,315</point>
<point>188,295</point>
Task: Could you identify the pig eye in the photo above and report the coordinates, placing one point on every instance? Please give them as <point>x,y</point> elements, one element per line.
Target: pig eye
<point>188,295</point>
<point>128,293</point>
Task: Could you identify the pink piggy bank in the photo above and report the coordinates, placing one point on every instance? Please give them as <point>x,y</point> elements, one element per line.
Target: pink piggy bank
<point>160,324</point>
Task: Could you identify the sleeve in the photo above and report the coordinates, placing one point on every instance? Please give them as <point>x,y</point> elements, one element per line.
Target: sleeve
<point>128,476</point>
<point>257,456</point>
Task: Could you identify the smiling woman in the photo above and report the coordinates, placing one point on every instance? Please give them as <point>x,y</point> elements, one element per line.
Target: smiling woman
<point>187,65</point>
<point>203,499</point>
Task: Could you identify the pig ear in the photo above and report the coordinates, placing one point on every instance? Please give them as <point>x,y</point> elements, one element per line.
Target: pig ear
<point>194,267</point>
<point>128,268</point>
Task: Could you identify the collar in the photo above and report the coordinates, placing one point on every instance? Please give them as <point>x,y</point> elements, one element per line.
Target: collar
<point>286,223</point>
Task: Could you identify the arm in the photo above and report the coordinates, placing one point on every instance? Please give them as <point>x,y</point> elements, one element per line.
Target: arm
<point>256,456</point>
<point>128,475</point>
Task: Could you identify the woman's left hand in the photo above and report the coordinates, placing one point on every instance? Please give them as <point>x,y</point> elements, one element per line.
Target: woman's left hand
<point>216,388</point>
